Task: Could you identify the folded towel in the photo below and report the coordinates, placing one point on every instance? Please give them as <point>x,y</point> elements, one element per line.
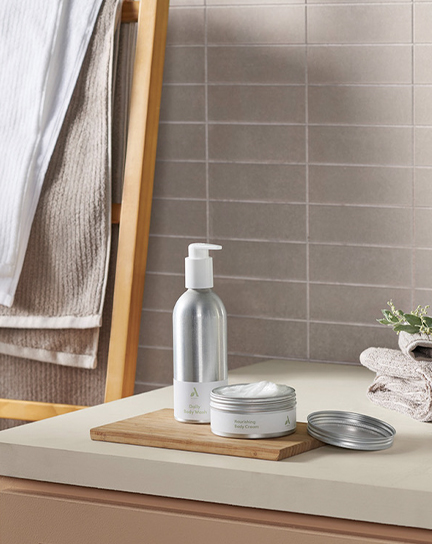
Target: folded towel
<point>63,281</point>
<point>37,381</point>
<point>42,49</point>
<point>400,384</point>
<point>392,362</point>
<point>416,346</point>
<point>408,396</point>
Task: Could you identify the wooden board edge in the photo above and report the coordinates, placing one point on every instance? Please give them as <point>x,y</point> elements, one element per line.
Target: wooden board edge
<point>151,442</point>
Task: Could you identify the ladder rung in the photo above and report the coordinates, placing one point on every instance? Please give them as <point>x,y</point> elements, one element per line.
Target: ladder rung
<point>130,12</point>
<point>115,214</point>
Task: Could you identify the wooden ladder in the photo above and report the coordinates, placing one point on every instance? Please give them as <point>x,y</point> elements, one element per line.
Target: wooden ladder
<point>133,214</point>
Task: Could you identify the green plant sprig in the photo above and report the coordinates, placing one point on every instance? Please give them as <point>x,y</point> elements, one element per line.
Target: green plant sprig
<point>415,322</point>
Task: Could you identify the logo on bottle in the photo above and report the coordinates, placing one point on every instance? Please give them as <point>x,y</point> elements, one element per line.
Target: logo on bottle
<point>194,393</point>
<point>287,422</point>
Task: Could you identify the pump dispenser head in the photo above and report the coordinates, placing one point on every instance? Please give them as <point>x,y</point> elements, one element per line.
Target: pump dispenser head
<point>199,266</point>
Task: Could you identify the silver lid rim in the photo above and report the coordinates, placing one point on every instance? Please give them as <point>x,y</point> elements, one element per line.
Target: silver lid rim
<point>382,438</point>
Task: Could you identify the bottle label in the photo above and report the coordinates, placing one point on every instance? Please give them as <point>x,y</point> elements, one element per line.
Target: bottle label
<point>192,400</point>
<point>262,424</point>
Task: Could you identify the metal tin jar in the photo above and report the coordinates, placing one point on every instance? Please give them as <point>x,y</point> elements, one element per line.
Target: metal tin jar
<point>252,417</point>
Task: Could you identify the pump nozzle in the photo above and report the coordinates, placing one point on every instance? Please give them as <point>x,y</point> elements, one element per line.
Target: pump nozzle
<point>199,266</point>
<point>201,251</point>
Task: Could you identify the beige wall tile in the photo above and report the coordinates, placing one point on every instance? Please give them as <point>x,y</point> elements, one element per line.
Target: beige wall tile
<point>368,185</point>
<point>266,260</point>
<point>422,297</point>
<point>265,104</point>
<point>423,228</point>
<point>184,65</point>
<point>161,291</point>
<point>141,387</point>
<point>167,254</point>
<point>345,342</point>
<point>156,329</point>
<point>248,173</point>
<point>423,146</point>
<point>237,361</point>
<point>359,23</point>
<point>423,267</point>
<point>360,145</point>
<point>256,25</point>
<point>183,103</point>
<point>360,105</point>
<point>423,105</point>
<point>423,64</point>
<point>423,187</point>
<point>258,221</point>
<point>177,142</point>
<point>180,179</point>
<point>154,368</point>
<point>258,143</point>
<point>422,22</point>
<point>267,337</point>
<point>360,225</point>
<point>360,265</point>
<point>380,64</point>
<point>178,217</point>
<point>271,299</point>
<point>272,182</point>
<point>260,64</point>
<point>354,304</point>
<point>186,26</point>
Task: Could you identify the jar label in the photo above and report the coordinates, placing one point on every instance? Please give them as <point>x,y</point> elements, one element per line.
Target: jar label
<point>264,423</point>
<point>192,400</point>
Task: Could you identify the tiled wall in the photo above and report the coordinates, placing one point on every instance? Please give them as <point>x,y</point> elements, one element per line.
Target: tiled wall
<point>299,136</point>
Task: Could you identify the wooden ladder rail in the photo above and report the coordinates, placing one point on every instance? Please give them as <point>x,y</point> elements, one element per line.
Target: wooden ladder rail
<point>133,214</point>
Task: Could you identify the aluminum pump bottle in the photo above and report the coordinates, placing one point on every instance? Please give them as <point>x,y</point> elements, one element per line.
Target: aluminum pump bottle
<point>199,339</point>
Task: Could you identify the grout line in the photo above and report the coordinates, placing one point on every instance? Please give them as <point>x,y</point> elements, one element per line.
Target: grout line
<point>294,3</point>
<point>294,242</point>
<point>291,45</point>
<point>413,149</point>
<point>294,163</point>
<point>288,124</point>
<point>282,320</point>
<point>291,203</point>
<point>206,106</point>
<point>293,281</point>
<point>300,84</point>
<point>308,302</point>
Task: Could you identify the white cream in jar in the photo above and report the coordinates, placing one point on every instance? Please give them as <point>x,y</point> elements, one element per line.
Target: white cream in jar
<point>254,410</point>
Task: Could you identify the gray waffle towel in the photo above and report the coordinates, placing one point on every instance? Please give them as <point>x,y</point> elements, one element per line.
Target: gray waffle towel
<point>401,384</point>
<point>416,346</point>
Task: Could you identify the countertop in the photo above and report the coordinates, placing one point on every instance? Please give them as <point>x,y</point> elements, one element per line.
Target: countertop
<point>392,486</point>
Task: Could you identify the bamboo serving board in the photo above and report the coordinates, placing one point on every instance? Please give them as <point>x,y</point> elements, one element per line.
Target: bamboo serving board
<point>160,430</point>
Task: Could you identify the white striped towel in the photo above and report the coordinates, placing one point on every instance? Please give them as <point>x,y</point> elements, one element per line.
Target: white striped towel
<point>42,46</point>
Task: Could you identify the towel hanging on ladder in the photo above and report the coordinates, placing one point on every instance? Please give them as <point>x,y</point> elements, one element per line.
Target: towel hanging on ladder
<point>59,300</point>
<point>42,47</point>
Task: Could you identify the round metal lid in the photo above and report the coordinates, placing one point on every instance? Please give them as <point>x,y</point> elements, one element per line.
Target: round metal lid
<point>350,430</point>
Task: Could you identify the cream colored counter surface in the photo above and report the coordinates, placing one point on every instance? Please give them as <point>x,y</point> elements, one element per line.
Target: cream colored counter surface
<point>393,486</point>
